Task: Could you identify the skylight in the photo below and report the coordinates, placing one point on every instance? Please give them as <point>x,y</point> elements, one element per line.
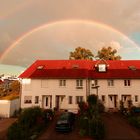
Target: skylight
<point>132,67</point>
<point>40,67</point>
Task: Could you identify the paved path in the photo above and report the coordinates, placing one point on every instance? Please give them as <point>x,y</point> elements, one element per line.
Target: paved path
<point>4,124</point>
<point>117,128</point>
<point>51,134</point>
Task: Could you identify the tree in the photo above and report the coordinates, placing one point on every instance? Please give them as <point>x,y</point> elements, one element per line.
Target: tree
<point>81,53</point>
<point>108,53</point>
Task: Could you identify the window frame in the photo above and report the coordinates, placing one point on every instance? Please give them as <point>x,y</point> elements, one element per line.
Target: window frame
<point>62,82</point>
<point>79,83</point>
<point>70,99</point>
<point>127,82</point>
<point>110,82</point>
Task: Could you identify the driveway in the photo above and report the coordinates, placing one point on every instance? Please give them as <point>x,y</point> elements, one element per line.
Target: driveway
<point>51,134</point>
<point>117,128</point>
<point>4,124</point>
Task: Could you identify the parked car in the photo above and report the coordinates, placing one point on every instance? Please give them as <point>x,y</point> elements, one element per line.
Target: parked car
<point>65,122</point>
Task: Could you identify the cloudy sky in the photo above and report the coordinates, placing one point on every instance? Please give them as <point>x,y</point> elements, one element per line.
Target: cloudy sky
<point>50,29</point>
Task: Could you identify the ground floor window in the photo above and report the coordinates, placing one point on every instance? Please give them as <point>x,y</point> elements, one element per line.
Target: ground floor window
<point>36,99</point>
<point>70,99</point>
<point>103,98</point>
<point>27,99</point>
<point>79,99</point>
<point>136,98</point>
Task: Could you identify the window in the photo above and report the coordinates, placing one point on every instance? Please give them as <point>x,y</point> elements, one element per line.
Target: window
<point>127,82</point>
<point>79,99</point>
<point>103,98</point>
<point>36,99</point>
<point>44,83</point>
<point>70,99</point>
<point>27,99</point>
<point>136,98</point>
<point>27,84</point>
<point>110,82</point>
<point>94,83</point>
<point>79,83</point>
<point>62,83</point>
<point>102,68</point>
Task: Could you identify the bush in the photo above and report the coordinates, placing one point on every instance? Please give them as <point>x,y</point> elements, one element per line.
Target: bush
<point>92,100</point>
<point>83,124</point>
<point>17,132</point>
<point>29,124</point>
<point>48,115</point>
<point>135,121</point>
<point>96,129</point>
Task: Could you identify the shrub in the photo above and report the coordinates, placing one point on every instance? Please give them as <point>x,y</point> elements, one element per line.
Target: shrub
<point>48,115</point>
<point>29,124</point>
<point>17,132</point>
<point>135,121</point>
<point>96,128</point>
<point>92,100</point>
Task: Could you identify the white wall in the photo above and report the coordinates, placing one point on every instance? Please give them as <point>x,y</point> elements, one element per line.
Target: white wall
<point>7,107</point>
<point>53,89</point>
<point>35,89</point>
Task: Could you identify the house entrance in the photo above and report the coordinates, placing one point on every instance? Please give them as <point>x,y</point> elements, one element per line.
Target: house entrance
<point>126,99</point>
<point>112,101</point>
<point>47,101</point>
<point>58,101</point>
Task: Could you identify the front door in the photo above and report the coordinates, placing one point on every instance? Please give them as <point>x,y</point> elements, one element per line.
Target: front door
<point>112,101</point>
<point>47,103</point>
<point>126,100</point>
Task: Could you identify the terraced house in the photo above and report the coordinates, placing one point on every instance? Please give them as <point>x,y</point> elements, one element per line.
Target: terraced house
<point>63,83</point>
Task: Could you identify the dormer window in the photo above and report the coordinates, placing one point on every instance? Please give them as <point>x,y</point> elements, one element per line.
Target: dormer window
<point>102,67</point>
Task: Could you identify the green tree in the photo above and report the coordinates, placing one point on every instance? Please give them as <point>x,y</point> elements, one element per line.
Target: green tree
<point>108,53</point>
<point>81,53</point>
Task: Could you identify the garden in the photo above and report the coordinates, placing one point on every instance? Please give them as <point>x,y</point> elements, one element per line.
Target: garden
<point>90,121</point>
<point>132,113</point>
<point>30,123</point>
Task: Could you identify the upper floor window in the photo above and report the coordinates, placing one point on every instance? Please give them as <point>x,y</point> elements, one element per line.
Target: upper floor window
<point>110,82</point>
<point>94,83</point>
<point>44,83</point>
<point>27,84</point>
<point>79,83</point>
<point>127,82</point>
<point>62,83</point>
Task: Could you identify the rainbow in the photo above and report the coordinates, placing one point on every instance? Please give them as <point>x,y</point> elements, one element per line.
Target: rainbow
<point>48,25</point>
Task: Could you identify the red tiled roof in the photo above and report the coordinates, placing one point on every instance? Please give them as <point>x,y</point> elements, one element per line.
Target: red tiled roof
<point>82,69</point>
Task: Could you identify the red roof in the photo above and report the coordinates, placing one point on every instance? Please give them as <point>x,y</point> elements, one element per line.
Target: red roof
<point>82,69</point>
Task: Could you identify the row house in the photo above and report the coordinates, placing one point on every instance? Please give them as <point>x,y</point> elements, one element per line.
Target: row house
<point>64,83</point>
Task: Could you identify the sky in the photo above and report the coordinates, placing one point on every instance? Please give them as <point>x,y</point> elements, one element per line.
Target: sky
<point>50,29</point>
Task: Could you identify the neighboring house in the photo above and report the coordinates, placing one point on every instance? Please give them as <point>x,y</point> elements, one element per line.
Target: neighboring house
<point>8,107</point>
<point>63,83</point>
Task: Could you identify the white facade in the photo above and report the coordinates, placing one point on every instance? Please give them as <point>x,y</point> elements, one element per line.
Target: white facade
<point>8,107</point>
<point>65,93</point>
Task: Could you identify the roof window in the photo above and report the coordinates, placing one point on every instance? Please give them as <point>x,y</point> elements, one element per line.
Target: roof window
<point>102,67</point>
<point>40,67</point>
<point>132,67</point>
<point>75,66</point>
